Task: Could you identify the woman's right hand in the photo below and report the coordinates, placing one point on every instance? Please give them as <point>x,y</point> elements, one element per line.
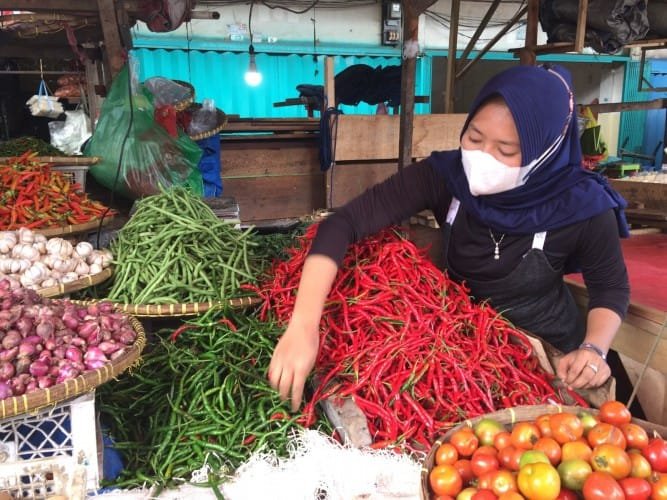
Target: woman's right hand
<point>296,352</point>
<point>293,359</point>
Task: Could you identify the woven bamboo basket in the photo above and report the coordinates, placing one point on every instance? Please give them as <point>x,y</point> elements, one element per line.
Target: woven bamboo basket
<point>181,105</point>
<point>509,417</point>
<point>221,123</point>
<point>179,310</point>
<point>59,160</point>
<point>87,381</point>
<point>74,228</point>
<point>76,285</point>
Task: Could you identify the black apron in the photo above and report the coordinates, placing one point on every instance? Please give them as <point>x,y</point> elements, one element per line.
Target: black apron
<point>532,296</point>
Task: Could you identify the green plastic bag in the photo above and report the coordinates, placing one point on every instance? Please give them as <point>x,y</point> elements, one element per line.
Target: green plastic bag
<point>152,159</point>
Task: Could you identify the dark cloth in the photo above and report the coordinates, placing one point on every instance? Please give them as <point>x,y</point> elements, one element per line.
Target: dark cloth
<point>593,242</point>
<point>558,191</point>
<point>532,295</point>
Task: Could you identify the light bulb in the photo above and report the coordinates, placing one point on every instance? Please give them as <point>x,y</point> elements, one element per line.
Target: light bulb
<point>252,76</point>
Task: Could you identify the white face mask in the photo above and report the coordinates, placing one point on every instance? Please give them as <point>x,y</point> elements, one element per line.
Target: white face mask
<point>486,175</point>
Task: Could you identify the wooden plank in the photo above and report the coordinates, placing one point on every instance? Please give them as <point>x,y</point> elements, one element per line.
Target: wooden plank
<point>526,54</point>
<point>408,70</point>
<point>374,137</point>
<point>451,76</point>
<point>277,158</point>
<point>330,94</point>
<point>613,107</point>
<point>352,179</point>
<point>112,43</point>
<point>652,195</point>
<point>49,5</point>
<point>262,198</point>
<point>46,52</point>
<point>582,19</point>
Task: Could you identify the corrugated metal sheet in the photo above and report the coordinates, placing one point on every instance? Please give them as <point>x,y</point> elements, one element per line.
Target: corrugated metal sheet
<point>219,76</point>
<point>654,135</point>
<point>631,128</point>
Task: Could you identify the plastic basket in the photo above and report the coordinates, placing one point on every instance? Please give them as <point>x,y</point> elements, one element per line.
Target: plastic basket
<point>51,452</point>
<point>73,173</point>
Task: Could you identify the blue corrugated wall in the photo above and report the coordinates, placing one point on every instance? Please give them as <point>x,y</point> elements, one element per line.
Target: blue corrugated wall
<point>631,127</point>
<point>654,133</point>
<point>219,76</point>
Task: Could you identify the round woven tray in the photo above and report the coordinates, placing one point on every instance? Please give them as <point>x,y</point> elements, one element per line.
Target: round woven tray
<point>181,105</point>
<point>177,310</point>
<point>509,417</point>
<point>87,381</point>
<point>221,123</point>
<point>76,285</point>
<point>73,229</point>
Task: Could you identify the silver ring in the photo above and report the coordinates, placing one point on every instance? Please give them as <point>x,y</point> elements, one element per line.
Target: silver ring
<point>593,367</point>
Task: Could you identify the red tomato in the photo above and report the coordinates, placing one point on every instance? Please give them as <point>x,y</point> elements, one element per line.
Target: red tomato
<point>446,454</point>
<point>463,466</point>
<point>542,423</point>
<point>485,450</point>
<point>466,494</point>
<point>565,427</point>
<point>635,488</point>
<point>484,495</point>
<point>602,486</point>
<point>481,463</point>
<point>635,435</point>
<point>511,495</point>
<point>656,454</point>
<point>566,494</point>
<point>503,481</point>
<point>485,480</point>
<point>615,413</point>
<point>509,457</point>
<point>611,459</point>
<point>445,480</point>
<point>524,435</point>
<point>576,449</point>
<point>465,441</point>
<point>605,433</point>
<point>550,448</point>
<point>502,440</point>
<point>658,486</point>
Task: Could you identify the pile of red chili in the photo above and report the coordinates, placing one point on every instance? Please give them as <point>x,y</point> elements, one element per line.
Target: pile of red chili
<point>36,197</point>
<point>408,344</point>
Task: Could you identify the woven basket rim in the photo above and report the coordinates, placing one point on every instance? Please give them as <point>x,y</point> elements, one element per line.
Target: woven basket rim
<point>75,228</point>
<point>510,416</point>
<point>76,285</point>
<point>183,104</point>
<point>177,310</point>
<point>222,123</point>
<point>60,160</point>
<point>41,399</point>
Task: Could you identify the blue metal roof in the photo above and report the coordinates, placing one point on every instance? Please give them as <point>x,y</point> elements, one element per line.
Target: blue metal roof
<point>218,75</point>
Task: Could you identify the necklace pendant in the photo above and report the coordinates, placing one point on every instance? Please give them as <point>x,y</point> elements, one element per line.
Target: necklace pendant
<point>496,253</point>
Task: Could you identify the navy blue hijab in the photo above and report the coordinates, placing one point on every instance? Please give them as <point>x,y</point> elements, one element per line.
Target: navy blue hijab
<point>557,193</point>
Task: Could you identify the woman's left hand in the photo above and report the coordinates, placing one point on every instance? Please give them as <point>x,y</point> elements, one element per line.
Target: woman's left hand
<point>583,369</point>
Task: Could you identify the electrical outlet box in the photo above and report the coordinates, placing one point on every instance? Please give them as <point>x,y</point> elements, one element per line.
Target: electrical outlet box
<point>391,23</point>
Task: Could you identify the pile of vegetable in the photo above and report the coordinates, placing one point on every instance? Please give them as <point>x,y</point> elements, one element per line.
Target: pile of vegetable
<point>175,250</point>
<point>200,396</point>
<point>30,260</point>
<point>562,456</point>
<point>21,145</point>
<point>34,196</point>
<point>45,342</point>
<point>407,344</point>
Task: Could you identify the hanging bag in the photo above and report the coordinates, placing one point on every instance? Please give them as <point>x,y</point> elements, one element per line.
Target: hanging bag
<point>43,104</point>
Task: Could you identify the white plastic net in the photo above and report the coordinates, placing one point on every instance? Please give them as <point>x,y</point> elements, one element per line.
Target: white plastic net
<point>321,468</point>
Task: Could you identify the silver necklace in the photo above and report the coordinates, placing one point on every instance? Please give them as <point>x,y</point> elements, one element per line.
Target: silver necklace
<point>496,252</point>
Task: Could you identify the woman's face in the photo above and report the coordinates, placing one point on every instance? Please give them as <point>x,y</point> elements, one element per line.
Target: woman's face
<point>492,131</point>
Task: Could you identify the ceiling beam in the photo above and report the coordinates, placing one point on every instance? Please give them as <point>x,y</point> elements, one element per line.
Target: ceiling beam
<point>49,5</point>
<point>33,51</point>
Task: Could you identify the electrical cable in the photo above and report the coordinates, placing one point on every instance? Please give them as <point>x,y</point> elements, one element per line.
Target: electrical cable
<point>313,4</point>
